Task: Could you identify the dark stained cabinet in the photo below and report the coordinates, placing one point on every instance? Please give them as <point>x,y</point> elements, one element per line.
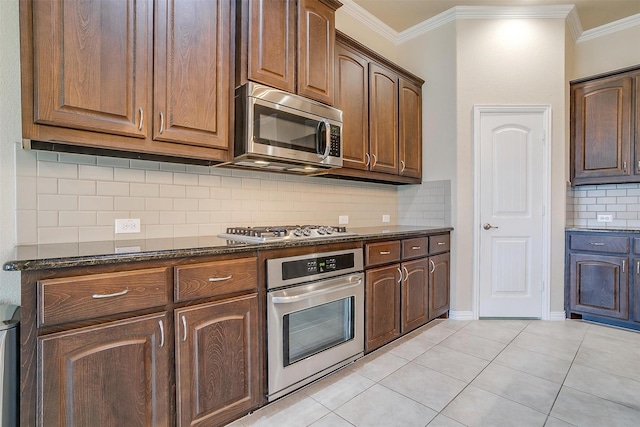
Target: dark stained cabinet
<point>137,78</point>
<point>114,374</point>
<point>382,306</point>
<point>439,270</point>
<point>382,116</point>
<point>407,285</point>
<point>217,365</point>
<point>192,72</point>
<point>599,285</point>
<point>605,147</point>
<point>288,45</point>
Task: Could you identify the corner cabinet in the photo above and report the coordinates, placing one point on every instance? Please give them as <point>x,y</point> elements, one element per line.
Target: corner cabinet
<point>289,45</point>
<point>407,285</point>
<point>138,78</point>
<point>382,116</point>
<point>605,128</point>
<point>603,277</point>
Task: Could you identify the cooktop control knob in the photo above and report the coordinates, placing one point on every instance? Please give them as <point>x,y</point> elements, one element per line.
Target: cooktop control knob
<point>329,229</point>
<point>322,231</point>
<point>306,231</point>
<point>297,232</point>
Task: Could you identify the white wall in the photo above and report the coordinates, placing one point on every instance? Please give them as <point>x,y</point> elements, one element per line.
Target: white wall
<point>608,52</point>
<point>358,30</point>
<point>10,135</point>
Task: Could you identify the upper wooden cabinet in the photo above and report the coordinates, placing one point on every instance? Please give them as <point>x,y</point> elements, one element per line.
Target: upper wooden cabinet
<point>92,76</point>
<point>288,45</point>
<point>382,116</point>
<point>604,148</point>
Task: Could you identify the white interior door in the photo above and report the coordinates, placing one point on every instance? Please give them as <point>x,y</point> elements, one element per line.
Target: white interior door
<point>511,200</point>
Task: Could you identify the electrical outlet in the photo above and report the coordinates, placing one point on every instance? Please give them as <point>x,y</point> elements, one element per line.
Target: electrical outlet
<point>386,218</point>
<point>605,218</point>
<point>343,219</point>
<point>127,225</point>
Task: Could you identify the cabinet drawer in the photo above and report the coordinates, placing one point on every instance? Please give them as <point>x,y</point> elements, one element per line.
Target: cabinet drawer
<point>382,252</point>
<point>415,248</point>
<point>599,243</point>
<point>71,299</point>
<point>216,278</point>
<point>439,243</point>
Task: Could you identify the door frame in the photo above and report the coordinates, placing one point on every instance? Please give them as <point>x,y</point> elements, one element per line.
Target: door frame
<point>478,112</point>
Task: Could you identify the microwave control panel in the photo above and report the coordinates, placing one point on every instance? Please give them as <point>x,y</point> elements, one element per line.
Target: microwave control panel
<point>334,149</point>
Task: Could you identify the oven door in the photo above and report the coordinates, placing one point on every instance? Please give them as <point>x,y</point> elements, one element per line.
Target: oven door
<point>313,329</point>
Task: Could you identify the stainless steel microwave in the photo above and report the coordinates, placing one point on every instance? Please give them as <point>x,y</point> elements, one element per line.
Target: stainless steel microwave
<point>280,131</point>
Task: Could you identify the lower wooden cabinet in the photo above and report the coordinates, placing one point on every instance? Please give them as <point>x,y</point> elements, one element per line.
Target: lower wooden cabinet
<point>439,268</point>
<point>415,294</point>
<point>599,284</point>
<point>382,306</point>
<point>116,374</point>
<point>217,362</point>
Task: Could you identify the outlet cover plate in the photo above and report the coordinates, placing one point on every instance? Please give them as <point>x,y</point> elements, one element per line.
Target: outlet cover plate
<point>343,219</point>
<point>605,218</point>
<point>386,218</point>
<point>129,225</point>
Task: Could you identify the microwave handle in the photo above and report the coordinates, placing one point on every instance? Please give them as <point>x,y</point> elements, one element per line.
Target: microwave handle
<point>323,126</point>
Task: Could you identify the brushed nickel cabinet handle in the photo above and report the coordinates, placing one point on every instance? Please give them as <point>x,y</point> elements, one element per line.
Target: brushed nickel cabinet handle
<point>385,252</point>
<point>369,159</point>
<point>415,248</point>
<point>141,118</point>
<point>624,264</point>
<point>596,243</point>
<point>638,267</point>
<point>638,166</point>
<point>375,160</point>
<point>624,166</point>
<point>115,294</point>
<point>406,273</point>
<point>400,272</point>
<point>161,122</point>
<point>220,279</point>
<point>161,333</point>
<point>184,329</point>
<point>404,166</point>
<point>433,266</point>
<point>444,243</point>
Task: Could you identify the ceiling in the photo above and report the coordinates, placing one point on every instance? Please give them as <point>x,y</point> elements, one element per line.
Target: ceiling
<point>402,14</point>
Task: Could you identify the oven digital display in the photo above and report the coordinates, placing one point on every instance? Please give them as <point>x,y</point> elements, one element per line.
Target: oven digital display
<point>313,266</point>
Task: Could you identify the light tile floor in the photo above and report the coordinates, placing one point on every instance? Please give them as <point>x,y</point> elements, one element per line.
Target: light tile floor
<point>478,373</point>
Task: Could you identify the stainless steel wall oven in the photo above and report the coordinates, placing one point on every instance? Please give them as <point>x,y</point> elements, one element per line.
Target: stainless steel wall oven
<point>315,317</point>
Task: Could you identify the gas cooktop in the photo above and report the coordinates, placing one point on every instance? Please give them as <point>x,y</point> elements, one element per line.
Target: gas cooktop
<point>283,232</point>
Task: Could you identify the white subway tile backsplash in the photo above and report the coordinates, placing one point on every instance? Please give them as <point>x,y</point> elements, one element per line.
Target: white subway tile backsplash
<point>47,218</point>
<point>173,191</point>
<point>129,175</point>
<point>93,234</point>
<point>173,217</point>
<point>57,170</point>
<point>77,218</point>
<point>57,235</point>
<point>76,186</point>
<point>26,187</point>
<point>185,179</point>
<point>622,201</point>
<point>27,226</point>
<point>159,177</point>
<point>54,202</point>
<point>96,173</point>
<point>158,204</point>
<point>209,181</point>
<point>81,159</point>
<point>144,190</point>
<point>129,203</point>
<point>112,188</point>
<point>113,162</point>
<point>144,164</point>
<point>97,203</point>
<point>47,185</point>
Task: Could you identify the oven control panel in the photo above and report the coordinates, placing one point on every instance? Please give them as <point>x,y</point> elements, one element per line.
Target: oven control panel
<point>304,268</point>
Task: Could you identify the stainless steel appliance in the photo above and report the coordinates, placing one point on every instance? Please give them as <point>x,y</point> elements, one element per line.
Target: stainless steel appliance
<point>283,232</point>
<point>280,131</point>
<point>315,317</point>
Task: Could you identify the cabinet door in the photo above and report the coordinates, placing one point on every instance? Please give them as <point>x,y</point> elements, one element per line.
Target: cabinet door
<point>316,40</point>
<point>218,372</point>
<point>439,268</point>
<point>599,284</point>
<point>382,310</point>
<point>410,137</point>
<point>383,119</point>
<point>601,130</point>
<point>415,294</point>
<point>92,65</point>
<point>636,290</point>
<point>192,72</point>
<point>352,97</point>
<point>272,46</point>
<point>114,375</point>
<point>637,126</point>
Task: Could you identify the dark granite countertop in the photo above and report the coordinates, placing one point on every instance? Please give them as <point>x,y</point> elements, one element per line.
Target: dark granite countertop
<point>603,230</point>
<point>50,256</point>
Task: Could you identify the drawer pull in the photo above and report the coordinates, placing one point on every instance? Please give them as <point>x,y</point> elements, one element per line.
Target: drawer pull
<point>433,266</point>
<point>442,243</point>
<point>161,333</point>
<point>400,271</point>
<point>596,243</point>
<point>406,273</point>
<point>116,294</point>
<point>638,267</point>
<point>385,252</point>
<point>184,329</point>
<point>220,279</point>
<point>417,248</point>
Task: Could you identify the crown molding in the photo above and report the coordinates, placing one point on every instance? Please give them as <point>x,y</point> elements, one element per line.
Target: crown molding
<point>361,14</point>
<point>613,27</point>
<point>567,12</point>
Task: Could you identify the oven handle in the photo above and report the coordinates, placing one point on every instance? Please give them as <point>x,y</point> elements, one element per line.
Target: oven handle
<point>312,294</point>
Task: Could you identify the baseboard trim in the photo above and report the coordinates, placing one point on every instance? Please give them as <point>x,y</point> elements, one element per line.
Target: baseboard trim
<point>557,315</point>
<point>461,315</point>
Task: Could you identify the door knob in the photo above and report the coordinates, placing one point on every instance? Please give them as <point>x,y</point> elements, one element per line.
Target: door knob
<point>488,226</point>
